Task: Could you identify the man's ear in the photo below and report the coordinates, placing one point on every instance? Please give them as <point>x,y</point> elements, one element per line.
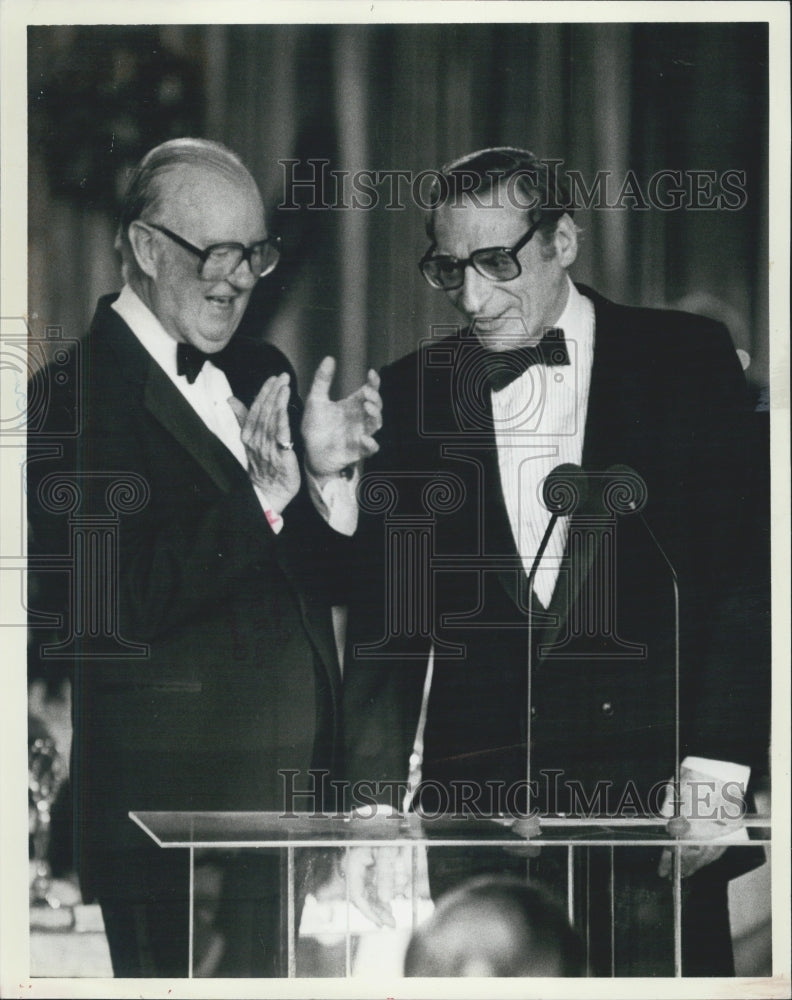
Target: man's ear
<point>141,239</point>
<point>566,241</point>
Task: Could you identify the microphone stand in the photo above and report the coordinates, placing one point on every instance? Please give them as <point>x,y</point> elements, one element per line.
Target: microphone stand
<point>678,826</point>
<point>529,826</point>
<point>563,490</point>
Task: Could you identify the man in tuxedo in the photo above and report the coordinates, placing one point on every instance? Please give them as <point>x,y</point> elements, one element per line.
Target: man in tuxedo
<point>196,606</point>
<point>522,659</point>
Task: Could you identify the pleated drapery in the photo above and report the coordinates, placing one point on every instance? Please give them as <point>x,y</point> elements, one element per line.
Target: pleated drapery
<point>628,99</point>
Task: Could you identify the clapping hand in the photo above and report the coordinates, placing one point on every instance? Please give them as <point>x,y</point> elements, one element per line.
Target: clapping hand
<point>339,434</point>
<point>272,464</point>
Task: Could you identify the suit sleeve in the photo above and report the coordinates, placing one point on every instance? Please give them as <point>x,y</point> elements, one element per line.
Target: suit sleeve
<point>382,692</point>
<point>725,602</point>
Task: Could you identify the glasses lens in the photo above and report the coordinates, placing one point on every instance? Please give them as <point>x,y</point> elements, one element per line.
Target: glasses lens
<point>495,264</point>
<point>264,257</point>
<point>443,272</point>
<point>222,261</point>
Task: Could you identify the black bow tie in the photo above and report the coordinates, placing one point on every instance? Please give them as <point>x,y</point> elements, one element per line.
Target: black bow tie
<point>189,361</point>
<point>503,367</point>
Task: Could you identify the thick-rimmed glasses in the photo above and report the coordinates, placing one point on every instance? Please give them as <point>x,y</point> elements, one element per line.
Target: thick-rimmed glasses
<point>494,263</point>
<point>220,260</point>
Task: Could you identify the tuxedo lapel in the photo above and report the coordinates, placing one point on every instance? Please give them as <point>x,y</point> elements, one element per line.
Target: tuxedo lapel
<point>607,422</point>
<point>320,633</point>
<point>164,401</point>
<point>603,445</point>
<point>161,397</point>
<point>581,551</point>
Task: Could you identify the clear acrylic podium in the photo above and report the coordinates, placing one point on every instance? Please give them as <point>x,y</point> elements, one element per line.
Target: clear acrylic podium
<point>206,831</point>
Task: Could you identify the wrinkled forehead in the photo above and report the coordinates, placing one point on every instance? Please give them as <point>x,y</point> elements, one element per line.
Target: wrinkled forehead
<point>467,223</point>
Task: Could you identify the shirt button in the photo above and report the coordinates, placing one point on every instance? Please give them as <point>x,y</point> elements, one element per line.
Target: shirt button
<point>606,708</point>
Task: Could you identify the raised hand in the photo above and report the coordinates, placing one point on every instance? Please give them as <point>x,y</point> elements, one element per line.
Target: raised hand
<point>338,434</point>
<point>272,464</point>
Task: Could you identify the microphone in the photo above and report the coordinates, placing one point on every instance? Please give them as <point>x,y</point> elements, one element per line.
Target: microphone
<point>563,490</point>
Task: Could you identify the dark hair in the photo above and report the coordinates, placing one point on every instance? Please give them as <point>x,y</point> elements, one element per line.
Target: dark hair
<point>145,187</point>
<point>539,933</point>
<point>544,198</point>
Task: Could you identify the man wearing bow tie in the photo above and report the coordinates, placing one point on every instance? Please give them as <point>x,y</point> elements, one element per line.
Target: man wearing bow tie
<point>209,662</point>
<point>523,662</point>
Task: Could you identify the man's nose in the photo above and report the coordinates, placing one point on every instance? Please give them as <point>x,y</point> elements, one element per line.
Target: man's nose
<point>242,276</point>
<point>474,292</point>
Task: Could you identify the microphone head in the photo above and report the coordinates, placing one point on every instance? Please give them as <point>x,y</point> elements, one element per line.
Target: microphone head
<point>626,491</point>
<point>564,489</point>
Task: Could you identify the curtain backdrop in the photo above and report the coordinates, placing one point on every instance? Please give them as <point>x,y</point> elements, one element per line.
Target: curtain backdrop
<point>619,98</point>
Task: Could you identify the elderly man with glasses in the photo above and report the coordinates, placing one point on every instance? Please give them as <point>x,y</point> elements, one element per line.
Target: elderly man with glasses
<point>515,648</point>
<point>209,661</point>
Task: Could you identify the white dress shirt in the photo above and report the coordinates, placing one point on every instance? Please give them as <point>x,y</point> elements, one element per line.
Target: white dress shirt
<point>539,423</point>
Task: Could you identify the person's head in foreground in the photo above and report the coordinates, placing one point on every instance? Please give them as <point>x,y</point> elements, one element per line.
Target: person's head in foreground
<point>493,926</point>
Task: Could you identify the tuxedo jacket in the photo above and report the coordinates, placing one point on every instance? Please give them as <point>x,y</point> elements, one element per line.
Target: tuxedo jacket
<point>201,641</point>
<point>437,564</point>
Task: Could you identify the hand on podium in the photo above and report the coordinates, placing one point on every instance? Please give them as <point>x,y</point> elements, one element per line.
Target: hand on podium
<point>714,811</point>
<point>370,876</point>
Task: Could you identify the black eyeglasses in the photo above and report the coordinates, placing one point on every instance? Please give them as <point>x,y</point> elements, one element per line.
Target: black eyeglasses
<point>494,263</point>
<point>220,260</point>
